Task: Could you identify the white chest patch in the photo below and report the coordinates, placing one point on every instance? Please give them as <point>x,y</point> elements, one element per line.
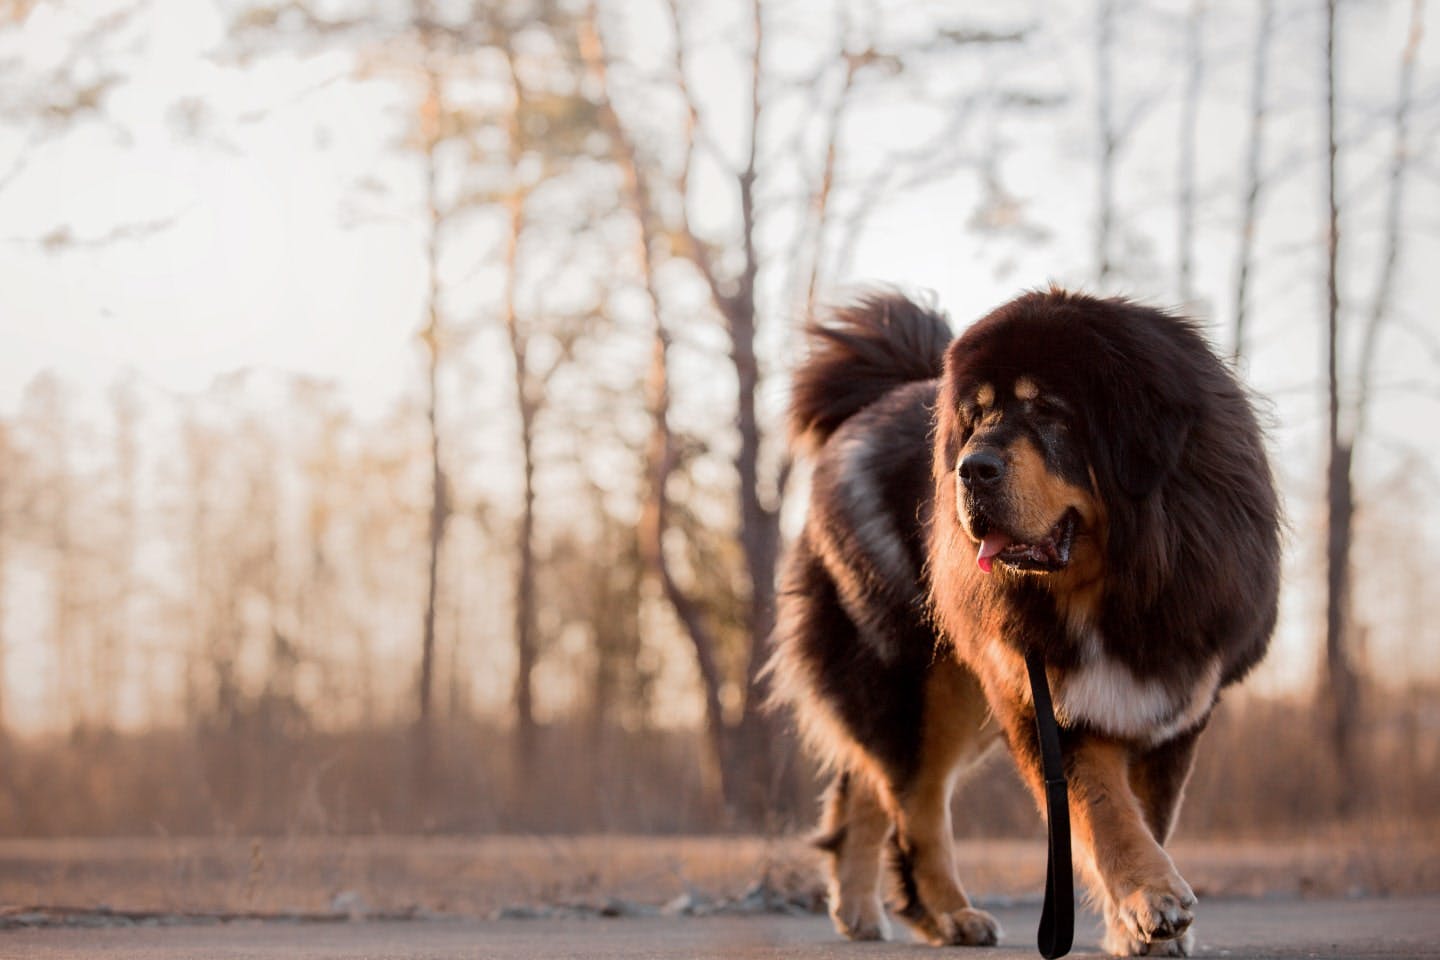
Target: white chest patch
<point>1105,694</point>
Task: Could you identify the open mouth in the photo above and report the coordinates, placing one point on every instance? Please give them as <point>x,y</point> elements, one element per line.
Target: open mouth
<point>1044,556</point>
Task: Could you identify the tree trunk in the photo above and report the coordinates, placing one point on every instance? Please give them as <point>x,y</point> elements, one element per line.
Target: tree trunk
<point>1253,178</point>
<point>714,766</point>
<point>1341,686</point>
<point>6,468</point>
<point>1189,124</point>
<point>659,454</point>
<point>526,405</point>
<point>750,757</point>
<point>825,183</point>
<point>423,755</point>
<point>1109,141</point>
<point>115,631</point>
<point>742,762</point>
<point>1394,227</point>
<point>526,647</point>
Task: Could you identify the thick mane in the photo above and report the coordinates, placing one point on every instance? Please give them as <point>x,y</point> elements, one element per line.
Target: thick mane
<point>857,354</point>
<point>1193,522</point>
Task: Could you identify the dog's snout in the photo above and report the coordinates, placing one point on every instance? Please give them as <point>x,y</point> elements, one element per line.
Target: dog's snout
<point>982,470</point>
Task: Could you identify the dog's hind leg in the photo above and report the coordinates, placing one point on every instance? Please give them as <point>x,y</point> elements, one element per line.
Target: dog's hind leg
<point>853,831</point>
<point>930,896</point>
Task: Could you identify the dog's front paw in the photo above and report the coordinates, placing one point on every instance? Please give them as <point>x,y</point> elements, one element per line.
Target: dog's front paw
<point>1120,944</point>
<point>1151,913</point>
<point>969,927</point>
<point>860,918</point>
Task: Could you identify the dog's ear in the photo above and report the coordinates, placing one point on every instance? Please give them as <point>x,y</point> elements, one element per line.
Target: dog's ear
<point>947,434</point>
<point>1143,436</point>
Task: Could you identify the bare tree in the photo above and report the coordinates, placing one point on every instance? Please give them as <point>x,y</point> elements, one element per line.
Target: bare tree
<point>431,337</point>
<point>1382,299</point>
<point>8,461</point>
<point>1118,113</point>
<point>420,36</point>
<point>1189,125</point>
<point>1107,128</point>
<point>759,522</point>
<point>619,687</point>
<point>54,509</point>
<point>541,135</point>
<point>660,455</point>
<point>733,293</point>
<point>823,188</point>
<point>1341,680</point>
<point>319,626</point>
<point>113,638</point>
<point>1346,427</point>
<point>43,104</point>
<point>1254,183</point>
<point>526,406</point>
<point>453,138</point>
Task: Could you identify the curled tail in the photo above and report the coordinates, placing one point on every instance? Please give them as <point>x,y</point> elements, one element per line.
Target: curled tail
<point>857,354</point>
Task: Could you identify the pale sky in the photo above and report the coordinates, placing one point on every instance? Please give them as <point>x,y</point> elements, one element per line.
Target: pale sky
<point>263,242</point>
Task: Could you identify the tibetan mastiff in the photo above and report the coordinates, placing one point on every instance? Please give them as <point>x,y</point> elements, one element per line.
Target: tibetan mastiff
<point>1075,475</point>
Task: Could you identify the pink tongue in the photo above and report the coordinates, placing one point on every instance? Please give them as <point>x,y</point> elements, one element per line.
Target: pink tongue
<point>990,546</point>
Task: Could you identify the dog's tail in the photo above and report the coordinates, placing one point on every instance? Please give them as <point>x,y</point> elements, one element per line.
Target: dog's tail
<point>857,354</point>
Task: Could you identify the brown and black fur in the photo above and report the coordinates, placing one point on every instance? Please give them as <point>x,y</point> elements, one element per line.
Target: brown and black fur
<point>1110,467</point>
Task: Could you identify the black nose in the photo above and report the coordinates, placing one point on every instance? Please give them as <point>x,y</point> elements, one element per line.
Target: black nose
<point>982,470</point>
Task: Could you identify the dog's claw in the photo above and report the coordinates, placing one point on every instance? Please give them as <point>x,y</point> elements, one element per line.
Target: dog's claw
<point>1121,944</point>
<point>970,928</point>
<point>1149,916</point>
<point>860,918</point>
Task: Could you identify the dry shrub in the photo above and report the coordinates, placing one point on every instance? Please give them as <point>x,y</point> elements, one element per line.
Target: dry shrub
<point>1263,771</point>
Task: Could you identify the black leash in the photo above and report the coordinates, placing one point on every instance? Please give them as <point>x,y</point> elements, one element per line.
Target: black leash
<point>1057,920</point>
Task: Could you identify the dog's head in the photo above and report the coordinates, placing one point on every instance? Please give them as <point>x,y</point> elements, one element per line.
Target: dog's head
<point>1050,426</point>
<point>1023,483</point>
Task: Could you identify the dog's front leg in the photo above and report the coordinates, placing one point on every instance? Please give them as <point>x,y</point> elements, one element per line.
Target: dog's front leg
<point>1158,775</point>
<point>1146,901</point>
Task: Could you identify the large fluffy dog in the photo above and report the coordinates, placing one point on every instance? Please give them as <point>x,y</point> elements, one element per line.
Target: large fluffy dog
<point>1076,475</point>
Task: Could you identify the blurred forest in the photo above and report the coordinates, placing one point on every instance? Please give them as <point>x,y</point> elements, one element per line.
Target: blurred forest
<point>531,591</point>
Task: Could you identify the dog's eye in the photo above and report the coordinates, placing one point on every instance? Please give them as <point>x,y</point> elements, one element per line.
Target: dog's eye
<point>1048,409</point>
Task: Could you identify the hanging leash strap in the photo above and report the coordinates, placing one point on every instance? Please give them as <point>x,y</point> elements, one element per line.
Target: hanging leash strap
<point>1057,919</point>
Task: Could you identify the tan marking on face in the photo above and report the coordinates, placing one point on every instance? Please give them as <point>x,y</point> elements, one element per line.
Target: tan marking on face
<point>1079,588</point>
<point>1026,389</point>
<point>985,396</point>
<point>1040,498</point>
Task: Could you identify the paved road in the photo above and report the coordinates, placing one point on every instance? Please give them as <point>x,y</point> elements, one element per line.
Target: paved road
<point>1261,929</point>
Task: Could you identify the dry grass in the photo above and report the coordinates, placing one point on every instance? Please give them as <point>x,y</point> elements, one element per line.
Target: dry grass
<point>1263,769</point>
<point>235,820</point>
